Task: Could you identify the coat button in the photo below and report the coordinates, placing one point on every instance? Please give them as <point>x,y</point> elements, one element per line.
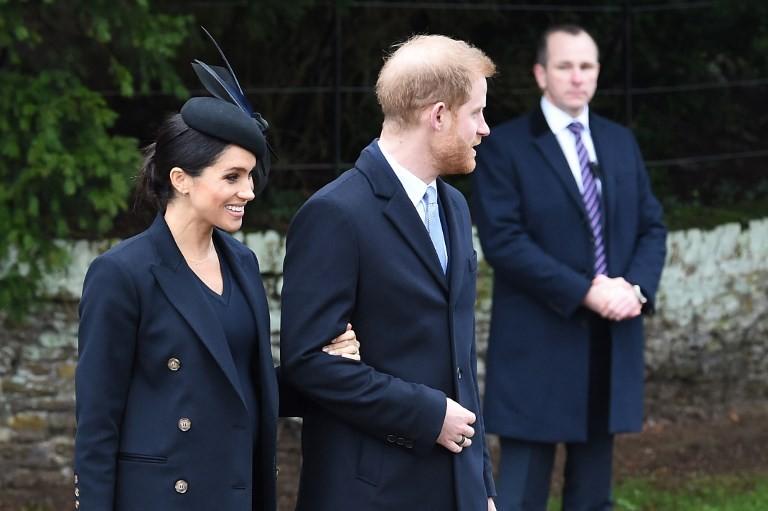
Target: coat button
<point>77,492</point>
<point>185,424</point>
<point>174,364</point>
<point>76,479</point>
<point>459,373</point>
<point>77,504</point>
<point>181,486</point>
<point>391,439</point>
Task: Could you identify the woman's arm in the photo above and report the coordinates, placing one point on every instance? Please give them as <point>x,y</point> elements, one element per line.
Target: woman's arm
<point>109,318</point>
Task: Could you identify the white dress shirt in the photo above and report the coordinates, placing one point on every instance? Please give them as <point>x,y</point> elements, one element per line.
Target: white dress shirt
<point>558,122</point>
<point>415,188</point>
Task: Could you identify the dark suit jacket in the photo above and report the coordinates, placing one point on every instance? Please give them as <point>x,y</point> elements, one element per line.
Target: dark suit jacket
<point>357,251</point>
<point>535,234</point>
<point>140,308</point>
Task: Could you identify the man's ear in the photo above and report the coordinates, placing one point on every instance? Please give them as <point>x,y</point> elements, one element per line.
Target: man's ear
<point>179,180</point>
<point>541,76</point>
<point>438,116</point>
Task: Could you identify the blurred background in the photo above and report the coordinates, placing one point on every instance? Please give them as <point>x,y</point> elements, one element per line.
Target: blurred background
<point>84,84</point>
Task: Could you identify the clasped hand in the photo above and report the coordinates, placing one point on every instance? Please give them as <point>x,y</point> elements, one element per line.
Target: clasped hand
<point>613,298</point>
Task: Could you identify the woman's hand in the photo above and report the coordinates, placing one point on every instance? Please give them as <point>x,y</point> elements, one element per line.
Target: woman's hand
<point>346,345</point>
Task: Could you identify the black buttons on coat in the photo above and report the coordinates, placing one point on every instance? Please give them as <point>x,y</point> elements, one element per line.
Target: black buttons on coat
<point>399,441</point>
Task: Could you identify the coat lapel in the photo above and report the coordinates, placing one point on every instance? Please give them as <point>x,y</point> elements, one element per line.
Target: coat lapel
<point>399,209</point>
<point>243,268</point>
<point>547,144</point>
<point>457,256</point>
<point>607,162</point>
<point>178,283</point>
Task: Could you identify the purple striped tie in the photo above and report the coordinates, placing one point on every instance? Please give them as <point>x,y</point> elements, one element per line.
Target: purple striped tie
<point>591,199</point>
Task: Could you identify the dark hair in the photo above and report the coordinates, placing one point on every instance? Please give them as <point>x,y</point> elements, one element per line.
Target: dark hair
<point>541,50</point>
<point>176,145</point>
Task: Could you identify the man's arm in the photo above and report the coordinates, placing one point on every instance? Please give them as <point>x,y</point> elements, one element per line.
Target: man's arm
<point>651,245</point>
<point>109,319</point>
<point>319,296</point>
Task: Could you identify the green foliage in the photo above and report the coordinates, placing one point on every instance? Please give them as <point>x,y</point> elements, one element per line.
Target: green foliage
<point>53,142</point>
<point>62,172</point>
<point>721,493</point>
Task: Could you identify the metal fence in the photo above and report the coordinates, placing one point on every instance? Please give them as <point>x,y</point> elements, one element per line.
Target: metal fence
<point>620,46</point>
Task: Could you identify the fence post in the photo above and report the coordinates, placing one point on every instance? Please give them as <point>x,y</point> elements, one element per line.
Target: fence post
<point>337,91</point>
<point>628,62</point>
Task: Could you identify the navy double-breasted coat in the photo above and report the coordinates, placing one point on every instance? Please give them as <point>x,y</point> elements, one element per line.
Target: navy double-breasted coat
<point>161,420</point>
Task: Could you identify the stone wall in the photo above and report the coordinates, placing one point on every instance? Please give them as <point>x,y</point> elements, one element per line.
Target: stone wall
<point>708,345</point>
<point>706,350</point>
<point>37,367</point>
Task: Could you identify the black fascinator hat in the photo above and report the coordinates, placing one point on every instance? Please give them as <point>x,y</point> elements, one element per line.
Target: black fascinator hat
<point>228,115</point>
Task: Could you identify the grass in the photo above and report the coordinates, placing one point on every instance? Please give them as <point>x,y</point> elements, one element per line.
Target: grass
<point>720,493</point>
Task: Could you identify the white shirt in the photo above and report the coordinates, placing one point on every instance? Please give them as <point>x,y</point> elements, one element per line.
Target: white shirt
<point>415,188</point>
<point>558,122</point>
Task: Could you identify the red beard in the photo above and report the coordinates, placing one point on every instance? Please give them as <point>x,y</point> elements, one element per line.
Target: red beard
<point>452,155</point>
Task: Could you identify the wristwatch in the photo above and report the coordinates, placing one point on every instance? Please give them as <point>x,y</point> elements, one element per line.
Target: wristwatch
<point>639,294</point>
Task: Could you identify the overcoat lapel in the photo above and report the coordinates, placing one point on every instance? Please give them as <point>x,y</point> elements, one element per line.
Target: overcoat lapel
<point>178,283</point>
<point>608,162</point>
<point>457,256</point>
<point>547,144</point>
<point>245,269</point>
<point>257,300</point>
<point>399,209</point>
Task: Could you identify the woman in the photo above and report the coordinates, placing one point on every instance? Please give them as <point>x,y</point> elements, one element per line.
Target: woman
<point>176,391</point>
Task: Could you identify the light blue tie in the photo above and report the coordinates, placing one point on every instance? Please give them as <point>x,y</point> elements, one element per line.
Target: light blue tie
<point>434,227</point>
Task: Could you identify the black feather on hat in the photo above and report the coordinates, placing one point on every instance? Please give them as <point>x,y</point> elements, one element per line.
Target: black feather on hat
<point>228,115</point>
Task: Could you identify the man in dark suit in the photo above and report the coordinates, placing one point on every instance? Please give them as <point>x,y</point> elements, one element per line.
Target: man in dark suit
<point>568,222</point>
<point>387,246</point>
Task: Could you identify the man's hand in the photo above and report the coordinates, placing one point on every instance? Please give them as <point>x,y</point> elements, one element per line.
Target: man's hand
<point>457,432</point>
<point>613,298</point>
<point>624,303</point>
<point>598,295</point>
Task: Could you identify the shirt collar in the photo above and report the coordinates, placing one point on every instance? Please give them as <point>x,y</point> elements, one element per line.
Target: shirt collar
<point>415,188</point>
<point>559,120</point>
